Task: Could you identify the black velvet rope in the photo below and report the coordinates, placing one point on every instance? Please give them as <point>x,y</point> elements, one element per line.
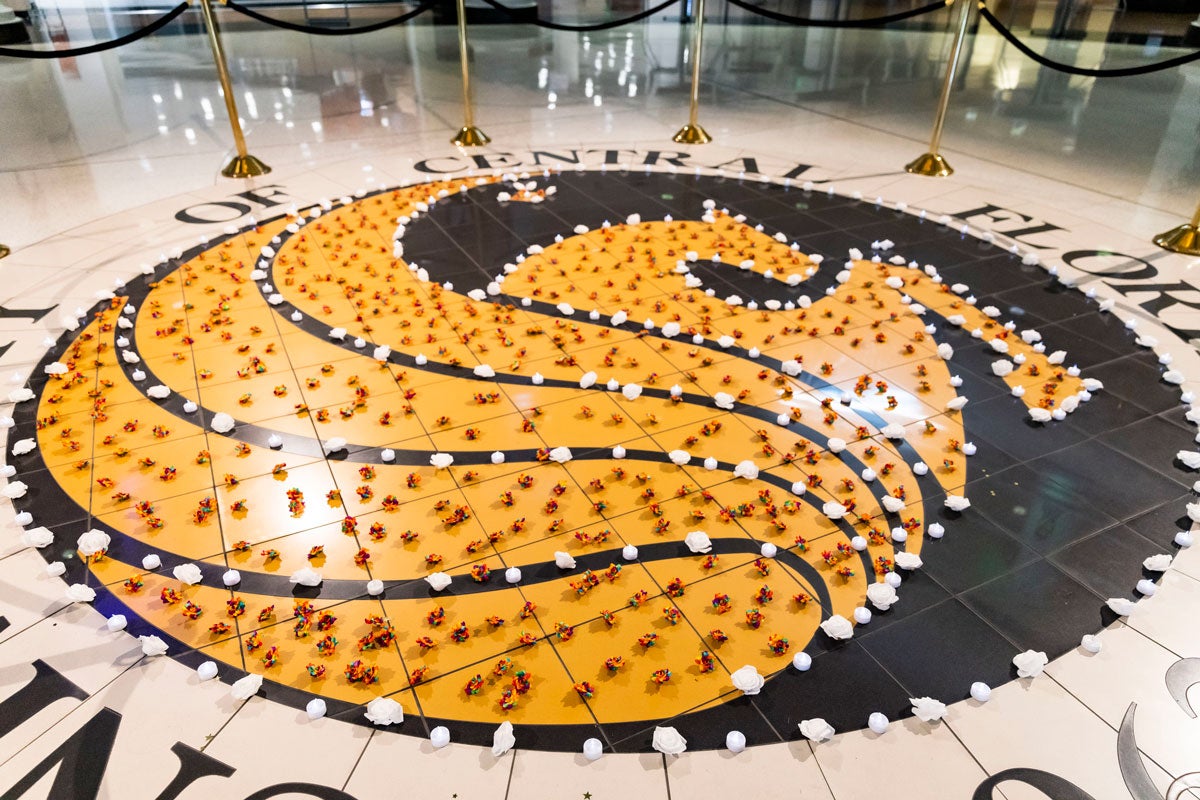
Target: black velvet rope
<point>1072,70</point>
<point>840,23</point>
<point>600,26</point>
<point>158,24</point>
<point>318,31</point>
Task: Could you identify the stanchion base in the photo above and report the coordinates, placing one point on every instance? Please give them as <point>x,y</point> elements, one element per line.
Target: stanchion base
<point>691,134</point>
<point>4,251</point>
<point>1184,239</point>
<point>931,165</point>
<point>470,136</point>
<point>244,167</point>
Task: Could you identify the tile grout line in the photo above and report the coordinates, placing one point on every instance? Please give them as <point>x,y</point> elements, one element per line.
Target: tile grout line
<point>512,768</point>
<point>358,760</point>
<point>213,737</point>
<point>59,721</point>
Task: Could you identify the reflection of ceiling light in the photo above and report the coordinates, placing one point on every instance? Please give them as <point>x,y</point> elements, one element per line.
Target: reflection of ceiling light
<point>190,135</point>
<point>588,88</point>
<point>158,99</point>
<point>552,97</point>
<point>251,106</point>
<point>317,127</point>
<point>178,91</point>
<point>1006,78</point>
<point>162,129</point>
<point>207,108</point>
<point>543,77</point>
<point>287,92</point>
<point>596,101</point>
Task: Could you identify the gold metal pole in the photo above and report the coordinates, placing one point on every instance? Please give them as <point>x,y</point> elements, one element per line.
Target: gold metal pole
<point>4,250</point>
<point>692,133</point>
<point>932,163</point>
<point>243,165</point>
<point>1183,239</point>
<point>468,135</point>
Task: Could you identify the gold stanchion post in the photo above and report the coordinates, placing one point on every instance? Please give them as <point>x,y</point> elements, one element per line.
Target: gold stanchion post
<point>931,163</point>
<point>692,133</point>
<point>468,135</point>
<point>243,165</point>
<point>4,250</point>
<point>1182,239</point>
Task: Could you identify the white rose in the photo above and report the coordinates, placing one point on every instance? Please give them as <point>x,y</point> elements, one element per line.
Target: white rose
<point>563,560</point>
<point>746,469</point>
<point>668,741</point>
<point>905,560</point>
<point>503,739</point>
<point>882,596</point>
<point>1039,415</point>
<point>438,580</point>
<point>1158,563</point>
<point>837,627</point>
<point>561,455</point>
<point>384,711</point>
<point>188,573</point>
<point>247,687</point>
<point>833,509</point>
<point>306,577</point>
<point>723,400</point>
<point>153,646</point>
<point>1030,663</point>
<point>748,680</point>
<point>956,502</point>
<point>78,593</point>
<point>222,422</point>
<point>698,542</point>
<point>927,709</point>
<point>1121,606</point>
<point>39,537</point>
<point>816,730</point>
<point>679,457</point>
<point>440,460</point>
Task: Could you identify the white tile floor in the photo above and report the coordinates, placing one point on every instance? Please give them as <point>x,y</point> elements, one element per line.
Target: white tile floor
<point>97,156</point>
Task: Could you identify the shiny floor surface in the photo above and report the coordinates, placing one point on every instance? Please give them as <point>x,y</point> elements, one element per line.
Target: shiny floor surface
<point>593,434</point>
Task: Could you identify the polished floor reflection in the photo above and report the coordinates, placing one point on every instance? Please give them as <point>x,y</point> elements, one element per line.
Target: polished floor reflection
<point>77,131</point>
